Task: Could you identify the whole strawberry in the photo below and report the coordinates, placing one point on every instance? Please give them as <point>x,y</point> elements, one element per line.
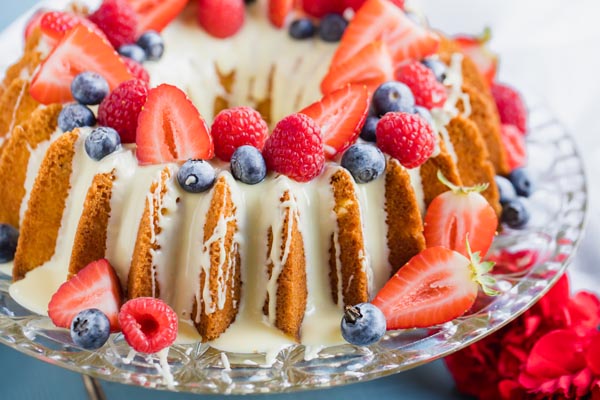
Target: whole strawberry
<point>120,109</point>
<point>427,90</point>
<point>221,18</point>
<point>406,137</point>
<point>295,148</point>
<point>118,21</point>
<point>510,106</point>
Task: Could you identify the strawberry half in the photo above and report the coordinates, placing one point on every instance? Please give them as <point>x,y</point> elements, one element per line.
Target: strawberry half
<point>81,49</point>
<point>371,66</point>
<point>475,47</point>
<point>458,215</point>
<point>514,146</point>
<point>435,286</point>
<point>383,20</point>
<point>95,286</point>
<point>341,115</point>
<point>156,14</point>
<point>170,129</point>
<point>279,10</point>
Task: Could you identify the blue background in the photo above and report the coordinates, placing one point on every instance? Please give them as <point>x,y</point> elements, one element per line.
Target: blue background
<point>23,377</point>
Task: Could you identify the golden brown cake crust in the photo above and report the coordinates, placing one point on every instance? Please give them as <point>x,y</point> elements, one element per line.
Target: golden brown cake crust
<point>14,161</point>
<point>90,239</point>
<point>405,225</point>
<point>211,326</point>
<point>42,221</point>
<point>443,162</point>
<point>16,106</point>
<point>350,243</point>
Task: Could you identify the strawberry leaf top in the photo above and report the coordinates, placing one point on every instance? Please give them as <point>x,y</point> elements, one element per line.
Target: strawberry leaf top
<point>480,270</point>
<point>461,189</point>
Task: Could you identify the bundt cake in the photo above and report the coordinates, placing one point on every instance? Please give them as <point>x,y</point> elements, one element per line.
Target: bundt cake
<point>275,262</point>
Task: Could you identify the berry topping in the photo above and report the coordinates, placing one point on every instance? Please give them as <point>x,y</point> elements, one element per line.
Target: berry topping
<point>368,132</point>
<point>320,8</point>
<point>458,215</point>
<point>515,213</point>
<point>438,68</point>
<point>279,11</point>
<point>90,329</point>
<point>302,28</point>
<point>118,21</point>
<point>406,137</point>
<point>221,18</point>
<point>392,97</point>
<point>364,161</point>
<point>133,52</point>
<point>435,286</point>
<point>137,70</point>
<point>170,129</point>
<point>9,237</point>
<point>75,116</point>
<point>427,90</point>
<point>332,28</point>
<point>363,324</point>
<point>382,20</point>
<point>149,325</point>
<point>196,176</point>
<point>121,108</point>
<point>514,145</point>
<point>372,66</point>
<point>152,44</point>
<point>79,50</point>
<point>425,114</point>
<point>236,127</point>
<point>476,48</point>
<point>506,189</point>
<point>248,165</point>
<point>510,106</point>
<point>341,115</point>
<point>156,14</point>
<point>295,148</point>
<point>521,182</point>
<point>102,142</point>
<point>34,22</point>
<point>89,88</point>
<point>54,24</point>
<point>356,4</point>
<point>95,286</point>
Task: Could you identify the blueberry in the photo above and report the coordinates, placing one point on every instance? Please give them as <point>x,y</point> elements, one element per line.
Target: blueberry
<point>302,28</point>
<point>506,189</point>
<point>90,329</point>
<point>424,113</point>
<point>520,180</point>
<point>102,142</point>
<point>369,128</point>
<point>75,116</point>
<point>196,176</point>
<point>89,88</point>
<point>515,213</point>
<point>153,45</point>
<point>248,165</point>
<point>332,27</point>
<point>363,324</point>
<point>437,67</point>
<point>133,51</point>
<point>393,96</point>
<point>9,237</point>
<point>364,161</point>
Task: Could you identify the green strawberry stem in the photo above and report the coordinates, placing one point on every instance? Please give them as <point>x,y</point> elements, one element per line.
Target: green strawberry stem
<point>480,271</point>
<point>461,189</point>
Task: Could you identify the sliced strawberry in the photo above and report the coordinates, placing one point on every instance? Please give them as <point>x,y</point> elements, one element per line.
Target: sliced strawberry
<point>170,129</point>
<point>514,145</point>
<point>435,286</point>
<point>95,286</point>
<point>476,48</point>
<point>81,49</point>
<point>382,20</point>
<point>34,22</point>
<point>371,66</point>
<point>458,215</point>
<point>341,115</point>
<point>156,14</point>
<point>279,10</point>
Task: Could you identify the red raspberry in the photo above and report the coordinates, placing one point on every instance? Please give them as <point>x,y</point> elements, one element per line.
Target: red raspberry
<point>148,324</point>
<point>136,70</point>
<point>428,91</point>
<point>236,127</point>
<point>510,106</point>
<point>295,148</point>
<point>406,137</point>
<point>221,18</point>
<point>320,8</point>
<point>118,21</point>
<point>54,24</point>
<point>514,144</point>
<point>120,109</point>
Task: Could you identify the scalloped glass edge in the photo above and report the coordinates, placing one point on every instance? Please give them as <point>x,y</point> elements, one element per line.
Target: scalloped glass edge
<point>559,207</point>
